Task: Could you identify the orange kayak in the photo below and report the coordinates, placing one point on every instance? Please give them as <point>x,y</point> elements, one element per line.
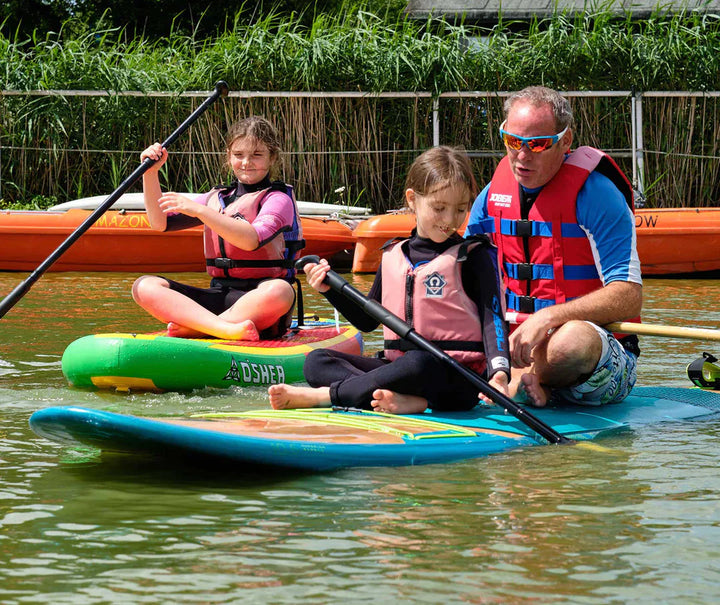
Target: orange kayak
<point>124,241</point>
<point>671,241</point>
<point>674,241</point>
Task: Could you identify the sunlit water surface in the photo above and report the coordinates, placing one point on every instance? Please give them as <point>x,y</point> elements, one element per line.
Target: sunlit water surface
<point>638,524</point>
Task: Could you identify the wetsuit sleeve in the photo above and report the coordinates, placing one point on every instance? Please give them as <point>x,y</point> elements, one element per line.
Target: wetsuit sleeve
<point>610,224</point>
<point>351,312</point>
<point>179,221</point>
<point>482,284</point>
<point>478,214</point>
<point>276,215</point>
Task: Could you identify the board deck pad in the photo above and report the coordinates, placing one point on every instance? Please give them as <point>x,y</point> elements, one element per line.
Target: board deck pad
<point>324,439</point>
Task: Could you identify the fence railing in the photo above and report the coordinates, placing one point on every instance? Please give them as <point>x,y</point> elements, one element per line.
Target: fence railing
<point>666,141</point>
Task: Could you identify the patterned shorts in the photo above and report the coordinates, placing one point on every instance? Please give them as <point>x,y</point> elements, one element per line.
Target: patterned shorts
<point>614,375</point>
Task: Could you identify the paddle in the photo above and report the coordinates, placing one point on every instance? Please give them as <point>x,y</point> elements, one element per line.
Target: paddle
<point>629,327</point>
<point>397,325</point>
<point>221,89</point>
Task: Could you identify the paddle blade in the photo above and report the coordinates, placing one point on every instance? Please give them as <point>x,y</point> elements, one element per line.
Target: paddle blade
<point>595,447</point>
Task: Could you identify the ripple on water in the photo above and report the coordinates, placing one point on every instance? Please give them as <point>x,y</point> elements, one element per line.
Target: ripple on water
<point>541,525</point>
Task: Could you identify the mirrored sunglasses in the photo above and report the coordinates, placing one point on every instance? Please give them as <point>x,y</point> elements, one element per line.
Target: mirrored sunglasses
<point>534,144</point>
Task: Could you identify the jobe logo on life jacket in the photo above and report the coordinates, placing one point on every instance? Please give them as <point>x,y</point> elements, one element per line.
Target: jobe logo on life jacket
<point>501,200</point>
<point>255,373</point>
<point>434,285</point>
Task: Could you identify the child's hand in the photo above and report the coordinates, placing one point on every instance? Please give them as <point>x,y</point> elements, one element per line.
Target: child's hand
<point>500,382</point>
<point>174,203</point>
<point>155,152</point>
<point>316,273</point>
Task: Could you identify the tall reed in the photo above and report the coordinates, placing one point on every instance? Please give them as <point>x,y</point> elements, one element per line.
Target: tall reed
<point>76,146</point>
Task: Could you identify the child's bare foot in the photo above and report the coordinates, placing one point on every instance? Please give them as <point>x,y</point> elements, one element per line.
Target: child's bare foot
<point>286,396</point>
<point>245,330</point>
<point>179,331</point>
<point>537,393</point>
<point>391,402</point>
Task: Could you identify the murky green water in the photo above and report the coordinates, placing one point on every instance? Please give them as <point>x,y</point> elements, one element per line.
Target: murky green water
<point>543,525</point>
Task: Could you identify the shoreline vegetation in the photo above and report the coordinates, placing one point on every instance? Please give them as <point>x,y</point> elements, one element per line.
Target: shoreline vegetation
<point>62,147</point>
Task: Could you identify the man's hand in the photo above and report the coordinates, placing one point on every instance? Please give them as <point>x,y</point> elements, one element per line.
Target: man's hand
<point>529,334</point>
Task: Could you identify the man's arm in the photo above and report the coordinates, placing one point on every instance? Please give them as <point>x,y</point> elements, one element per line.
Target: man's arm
<point>478,213</point>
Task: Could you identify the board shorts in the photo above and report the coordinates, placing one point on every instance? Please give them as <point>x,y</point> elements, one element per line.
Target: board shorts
<point>224,293</point>
<point>613,377</point>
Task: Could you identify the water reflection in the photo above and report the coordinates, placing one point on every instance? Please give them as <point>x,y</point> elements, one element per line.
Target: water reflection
<point>541,525</point>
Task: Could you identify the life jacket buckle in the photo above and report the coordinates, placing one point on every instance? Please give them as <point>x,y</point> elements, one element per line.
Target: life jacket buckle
<point>523,228</point>
<point>524,271</point>
<point>223,263</point>
<point>526,304</point>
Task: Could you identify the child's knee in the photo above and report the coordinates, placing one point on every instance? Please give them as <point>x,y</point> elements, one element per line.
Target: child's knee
<point>279,291</point>
<point>139,287</point>
<point>144,287</point>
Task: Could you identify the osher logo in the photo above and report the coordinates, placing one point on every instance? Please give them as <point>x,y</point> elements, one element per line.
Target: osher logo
<point>255,373</point>
<point>500,199</point>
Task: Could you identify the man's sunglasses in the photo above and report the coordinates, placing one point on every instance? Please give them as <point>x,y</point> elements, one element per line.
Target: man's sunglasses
<point>534,144</point>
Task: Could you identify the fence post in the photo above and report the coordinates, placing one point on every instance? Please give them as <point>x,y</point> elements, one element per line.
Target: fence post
<point>436,121</point>
<point>633,137</point>
<point>638,151</point>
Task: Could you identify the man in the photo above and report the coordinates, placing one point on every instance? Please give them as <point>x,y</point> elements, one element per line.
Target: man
<point>563,223</point>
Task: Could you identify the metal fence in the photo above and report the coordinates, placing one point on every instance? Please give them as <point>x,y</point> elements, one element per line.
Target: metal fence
<point>666,141</point>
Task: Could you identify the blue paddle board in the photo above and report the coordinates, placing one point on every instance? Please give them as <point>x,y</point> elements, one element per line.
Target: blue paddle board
<point>325,439</point>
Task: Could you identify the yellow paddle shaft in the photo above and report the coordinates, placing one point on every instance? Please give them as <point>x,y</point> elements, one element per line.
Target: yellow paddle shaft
<point>628,327</point>
<point>643,329</point>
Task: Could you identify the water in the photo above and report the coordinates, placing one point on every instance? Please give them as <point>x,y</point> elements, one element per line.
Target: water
<point>637,524</point>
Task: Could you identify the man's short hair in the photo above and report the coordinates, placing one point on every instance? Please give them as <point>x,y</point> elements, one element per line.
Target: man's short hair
<point>539,96</point>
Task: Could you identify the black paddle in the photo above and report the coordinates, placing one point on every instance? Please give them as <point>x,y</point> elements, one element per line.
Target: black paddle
<point>221,89</point>
<point>397,325</point>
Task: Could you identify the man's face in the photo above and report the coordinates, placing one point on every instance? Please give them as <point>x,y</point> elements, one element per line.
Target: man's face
<point>533,170</point>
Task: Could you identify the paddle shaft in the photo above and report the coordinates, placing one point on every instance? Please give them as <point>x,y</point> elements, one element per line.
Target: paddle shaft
<point>402,329</point>
<point>221,89</point>
<point>643,329</point>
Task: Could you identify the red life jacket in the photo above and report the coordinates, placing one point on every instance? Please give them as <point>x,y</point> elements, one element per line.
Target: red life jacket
<point>431,298</point>
<point>560,265</point>
<point>274,259</point>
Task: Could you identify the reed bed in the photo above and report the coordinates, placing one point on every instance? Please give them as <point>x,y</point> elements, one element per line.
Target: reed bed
<point>66,146</point>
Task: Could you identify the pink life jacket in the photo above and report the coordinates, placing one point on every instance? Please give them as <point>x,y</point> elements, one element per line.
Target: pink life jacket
<point>273,259</point>
<point>432,300</point>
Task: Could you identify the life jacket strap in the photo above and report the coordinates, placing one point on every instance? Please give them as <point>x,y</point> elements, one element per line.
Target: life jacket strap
<point>527,304</point>
<point>445,345</point>
<point>229,263</point>
<point>300,304</point>
<point>292,247</point>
